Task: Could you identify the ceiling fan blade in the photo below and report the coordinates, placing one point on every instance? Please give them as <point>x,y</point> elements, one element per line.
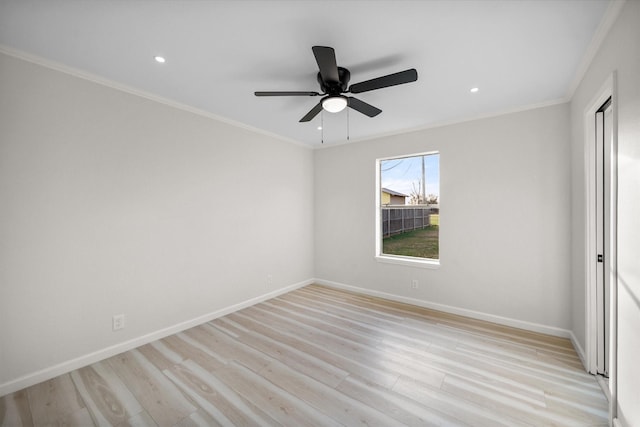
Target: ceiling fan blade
<point>326,59</point>
<point>363,107</point>
<point>286,93</point>
<point>406,76</point>
<point>311,114</point>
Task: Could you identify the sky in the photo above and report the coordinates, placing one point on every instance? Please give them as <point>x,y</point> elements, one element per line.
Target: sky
<point>404,174</point>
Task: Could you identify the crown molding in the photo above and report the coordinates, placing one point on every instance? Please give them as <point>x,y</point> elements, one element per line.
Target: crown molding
<point>94,78</point>
<point>606,23</point>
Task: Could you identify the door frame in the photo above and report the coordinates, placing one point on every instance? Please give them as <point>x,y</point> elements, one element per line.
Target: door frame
<point>608,90</point>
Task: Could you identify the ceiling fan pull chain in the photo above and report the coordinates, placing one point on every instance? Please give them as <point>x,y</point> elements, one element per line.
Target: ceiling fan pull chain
<point>347,124</point>
<point>322,127</point>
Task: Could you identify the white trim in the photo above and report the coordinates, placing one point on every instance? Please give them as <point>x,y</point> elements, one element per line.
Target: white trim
<point>578,348</point>
<point>85,75</point>
<point>409,261</point>
<point>397,259</point>
<point>444,123</point>
<point>608,89</point>
<point>404,156</point>
<point>94,78</point>
<point>96,356</point>
<point>603,94</point>
<point>501,320</point>
<point>608,19</point>
<point>376,208</point>
<point>613,254</point>
<point>617,423</point>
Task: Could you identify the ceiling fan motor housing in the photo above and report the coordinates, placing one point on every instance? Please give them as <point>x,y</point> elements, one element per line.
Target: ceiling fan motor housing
<point>336,88</point>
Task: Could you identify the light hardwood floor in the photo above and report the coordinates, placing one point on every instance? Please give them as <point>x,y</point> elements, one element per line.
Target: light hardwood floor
<point>324,357</point>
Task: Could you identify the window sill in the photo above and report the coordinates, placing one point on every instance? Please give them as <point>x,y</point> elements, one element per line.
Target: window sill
<point>410,261</point>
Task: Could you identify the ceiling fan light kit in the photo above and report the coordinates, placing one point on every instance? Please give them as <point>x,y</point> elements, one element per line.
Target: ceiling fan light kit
<point>334,82</point>
<point>334,104</point>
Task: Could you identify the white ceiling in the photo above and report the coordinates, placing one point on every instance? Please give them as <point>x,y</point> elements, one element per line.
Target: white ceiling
<point>520,53</point>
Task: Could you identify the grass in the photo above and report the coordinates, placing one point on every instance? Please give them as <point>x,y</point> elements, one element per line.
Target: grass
<point>423,243</point>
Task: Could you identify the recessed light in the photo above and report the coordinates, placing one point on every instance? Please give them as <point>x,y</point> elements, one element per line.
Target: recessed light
<point>474,90</point>
<point>319,127</point>
<point>160,59</point>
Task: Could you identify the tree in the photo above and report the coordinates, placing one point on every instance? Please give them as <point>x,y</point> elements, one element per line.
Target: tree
<point>416,196</point>
<point>431,199</point>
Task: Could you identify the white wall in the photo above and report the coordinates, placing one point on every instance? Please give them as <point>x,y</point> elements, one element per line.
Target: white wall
<point>619,52</point>
<point>111,203</point>
<point>504,217</point>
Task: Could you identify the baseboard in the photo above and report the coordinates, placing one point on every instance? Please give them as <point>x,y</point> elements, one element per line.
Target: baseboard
<point>87,359</point>
<point>578,348</point>
<point>506,321</point>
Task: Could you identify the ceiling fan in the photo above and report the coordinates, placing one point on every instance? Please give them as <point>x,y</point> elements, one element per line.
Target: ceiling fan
<point>334,82</point>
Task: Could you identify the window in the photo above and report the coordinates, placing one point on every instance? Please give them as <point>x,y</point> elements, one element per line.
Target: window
<point>408,225</point>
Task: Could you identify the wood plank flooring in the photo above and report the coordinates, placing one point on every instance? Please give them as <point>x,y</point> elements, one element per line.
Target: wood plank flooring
<point>323,357</point>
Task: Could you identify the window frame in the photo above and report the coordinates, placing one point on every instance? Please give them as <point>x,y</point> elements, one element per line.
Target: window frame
<point>429,263</point>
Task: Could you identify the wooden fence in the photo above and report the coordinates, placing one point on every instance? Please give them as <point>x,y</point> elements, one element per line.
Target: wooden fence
<point>398,219</point>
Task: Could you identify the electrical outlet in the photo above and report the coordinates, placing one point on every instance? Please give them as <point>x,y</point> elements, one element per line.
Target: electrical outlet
<point>414,284</point>
<point>269,279</point>
<point>118,322</point>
